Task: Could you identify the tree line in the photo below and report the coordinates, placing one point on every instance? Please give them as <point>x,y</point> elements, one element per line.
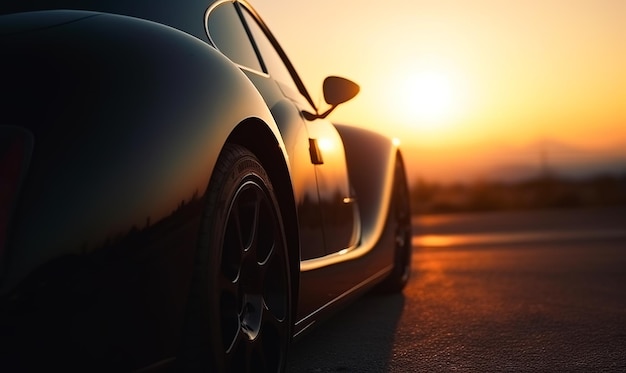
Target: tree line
<point>545,191</point>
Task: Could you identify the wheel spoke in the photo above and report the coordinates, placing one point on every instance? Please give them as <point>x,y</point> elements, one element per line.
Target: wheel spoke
<point>263,354</point>
<point>275,289</point>
<point>230,320</point>
<point>233,247</point>
<point>248,215</point>
<point>237,355</point>
<point>271,342</point>
<point>266,236</point>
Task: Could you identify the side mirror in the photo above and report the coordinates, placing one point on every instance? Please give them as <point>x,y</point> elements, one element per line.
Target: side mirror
<point>337,90</point>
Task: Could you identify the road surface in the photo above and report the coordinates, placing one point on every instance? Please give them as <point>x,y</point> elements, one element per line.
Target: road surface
<point>519,292</point>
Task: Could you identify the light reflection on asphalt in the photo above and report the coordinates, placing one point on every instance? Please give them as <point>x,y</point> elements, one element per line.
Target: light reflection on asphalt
<point>471,239</point>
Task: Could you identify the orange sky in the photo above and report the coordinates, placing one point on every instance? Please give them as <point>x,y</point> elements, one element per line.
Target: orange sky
<point>469,86</point>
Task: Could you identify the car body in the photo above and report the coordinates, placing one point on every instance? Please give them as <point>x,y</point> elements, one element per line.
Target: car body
<point>170,195</point>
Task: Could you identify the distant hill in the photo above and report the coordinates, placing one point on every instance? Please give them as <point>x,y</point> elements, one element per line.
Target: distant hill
<point>553,157</point>
<point>508,163</point>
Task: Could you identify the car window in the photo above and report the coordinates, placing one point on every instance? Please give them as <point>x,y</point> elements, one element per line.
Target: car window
<point>230,37</point>
<point>273,63</point>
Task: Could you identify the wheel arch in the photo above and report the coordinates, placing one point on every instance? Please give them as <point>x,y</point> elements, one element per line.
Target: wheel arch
<point>371,175</point>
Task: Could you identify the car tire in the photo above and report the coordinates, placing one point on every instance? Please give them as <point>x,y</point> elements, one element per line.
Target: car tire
<point>400,217</point>
<point>239,317</point>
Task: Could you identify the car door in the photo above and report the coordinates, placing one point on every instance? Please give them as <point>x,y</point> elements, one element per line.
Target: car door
<point>326,210</point>
<point>326,153</point>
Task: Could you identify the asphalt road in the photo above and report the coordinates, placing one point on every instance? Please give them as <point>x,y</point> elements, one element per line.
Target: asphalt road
<point>517,292</point>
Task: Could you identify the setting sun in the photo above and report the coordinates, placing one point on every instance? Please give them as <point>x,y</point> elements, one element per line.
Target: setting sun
<point>428,100</point>
<point>428,97</point>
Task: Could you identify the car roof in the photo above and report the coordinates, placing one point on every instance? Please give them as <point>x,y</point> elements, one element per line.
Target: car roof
<point>185,15</point>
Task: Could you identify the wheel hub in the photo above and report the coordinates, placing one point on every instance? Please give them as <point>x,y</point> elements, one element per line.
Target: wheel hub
<point>251,315</point>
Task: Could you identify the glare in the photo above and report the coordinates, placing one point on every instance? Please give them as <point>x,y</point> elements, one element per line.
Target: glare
<point>347,200</point>
<point>428,96</point>
<point>326,144</point>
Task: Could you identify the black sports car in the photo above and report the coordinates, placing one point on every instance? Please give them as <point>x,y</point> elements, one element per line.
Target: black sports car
<point>170,195</point>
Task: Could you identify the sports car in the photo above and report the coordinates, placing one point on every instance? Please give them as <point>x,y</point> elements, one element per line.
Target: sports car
<point>172,198</point>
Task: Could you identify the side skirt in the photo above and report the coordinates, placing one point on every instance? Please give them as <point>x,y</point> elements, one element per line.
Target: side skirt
<point>312,318</point>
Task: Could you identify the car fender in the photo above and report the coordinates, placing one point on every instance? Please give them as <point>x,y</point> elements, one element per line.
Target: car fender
<point>371,160</point>
<point>117,104</point>
<point>127,119</point>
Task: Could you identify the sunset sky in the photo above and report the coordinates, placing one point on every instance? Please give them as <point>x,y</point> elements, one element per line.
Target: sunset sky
<point>470,86</point>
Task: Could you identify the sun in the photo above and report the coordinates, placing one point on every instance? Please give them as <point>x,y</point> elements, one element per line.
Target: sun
<point>426,102</point>
<point>428,97</point>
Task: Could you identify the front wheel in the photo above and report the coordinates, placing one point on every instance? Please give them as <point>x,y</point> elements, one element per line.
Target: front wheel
<point>400,217</point>
<point>241,286</point>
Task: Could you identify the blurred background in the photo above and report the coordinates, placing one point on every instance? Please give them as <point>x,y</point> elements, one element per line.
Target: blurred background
<point>497,104</point>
